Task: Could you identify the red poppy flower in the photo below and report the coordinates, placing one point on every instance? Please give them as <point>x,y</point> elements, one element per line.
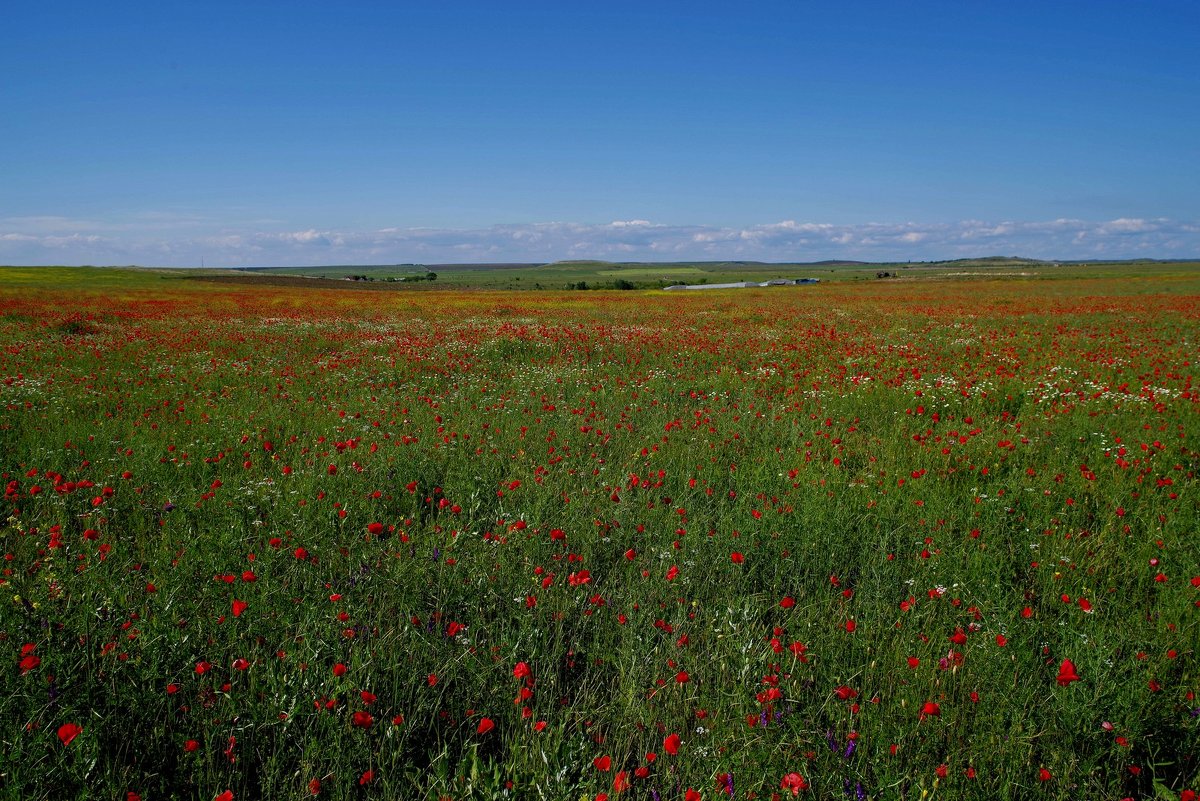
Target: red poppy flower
<point>68,732</point>
<point>239,607</point>
<point>603,764</point>
<point>485,725</point>
<point>363,719</point>
<point>794,782</point>
<point>1066,673</point>
<point>671,744</point>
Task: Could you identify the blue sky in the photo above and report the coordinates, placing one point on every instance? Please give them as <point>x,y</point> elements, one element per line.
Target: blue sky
<point>258,133</point>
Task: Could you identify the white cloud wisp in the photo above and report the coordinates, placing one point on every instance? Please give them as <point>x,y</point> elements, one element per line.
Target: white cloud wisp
<point>54,240</point>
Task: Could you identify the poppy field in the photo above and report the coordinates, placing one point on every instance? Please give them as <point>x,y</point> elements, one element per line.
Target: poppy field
<point>908,539</point>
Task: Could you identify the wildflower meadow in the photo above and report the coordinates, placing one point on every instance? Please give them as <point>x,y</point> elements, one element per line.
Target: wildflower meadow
<point>861,540</point>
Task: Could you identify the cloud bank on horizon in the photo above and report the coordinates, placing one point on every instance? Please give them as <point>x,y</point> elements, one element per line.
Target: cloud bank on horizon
<point>185,243</point>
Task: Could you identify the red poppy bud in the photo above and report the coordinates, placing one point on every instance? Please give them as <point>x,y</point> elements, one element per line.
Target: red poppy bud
<point>1066,673</point>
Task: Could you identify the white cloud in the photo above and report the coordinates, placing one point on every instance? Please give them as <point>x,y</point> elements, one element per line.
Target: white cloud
<point>59,240</point>
<point>1125,225</point>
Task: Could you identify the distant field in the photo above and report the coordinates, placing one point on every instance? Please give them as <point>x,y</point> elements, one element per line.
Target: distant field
<point>590,275</point>
<point>654,273</point>
<point>606,275</point>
